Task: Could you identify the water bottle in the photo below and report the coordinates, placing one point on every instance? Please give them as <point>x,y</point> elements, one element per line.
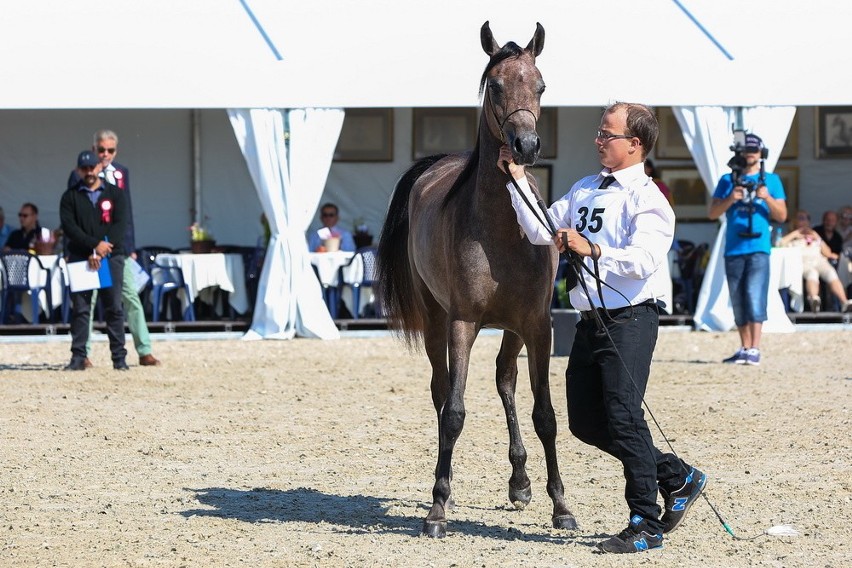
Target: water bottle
<point>777,241</point>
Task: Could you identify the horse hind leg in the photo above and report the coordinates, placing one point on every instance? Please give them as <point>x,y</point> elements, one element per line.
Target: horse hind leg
<point>520,488</point>
<point>435,344</point>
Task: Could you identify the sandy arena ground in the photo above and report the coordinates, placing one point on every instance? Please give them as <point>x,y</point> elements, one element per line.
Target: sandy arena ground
<point>311,453</point>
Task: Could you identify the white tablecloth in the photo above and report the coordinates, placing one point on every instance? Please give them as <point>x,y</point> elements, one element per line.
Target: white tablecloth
<point>328,265</point>
<point>202,272</point>
<point>785,271</point>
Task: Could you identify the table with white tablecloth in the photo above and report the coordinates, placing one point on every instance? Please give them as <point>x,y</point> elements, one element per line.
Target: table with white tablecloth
<point>203,273</point>
<point>328,267</point>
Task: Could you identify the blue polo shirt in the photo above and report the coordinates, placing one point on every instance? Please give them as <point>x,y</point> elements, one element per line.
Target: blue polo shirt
<point>737,216</point>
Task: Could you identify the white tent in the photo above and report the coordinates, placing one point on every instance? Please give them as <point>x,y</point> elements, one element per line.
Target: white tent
<point>256,54</point>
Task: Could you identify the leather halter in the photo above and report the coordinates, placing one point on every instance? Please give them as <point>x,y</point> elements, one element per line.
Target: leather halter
<point>502,123</point>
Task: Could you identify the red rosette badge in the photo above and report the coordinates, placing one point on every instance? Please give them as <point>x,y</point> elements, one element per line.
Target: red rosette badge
<point>119,179</point>
<point>106,210</point>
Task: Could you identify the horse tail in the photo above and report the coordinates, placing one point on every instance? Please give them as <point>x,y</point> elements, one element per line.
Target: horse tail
<point>395,283</point>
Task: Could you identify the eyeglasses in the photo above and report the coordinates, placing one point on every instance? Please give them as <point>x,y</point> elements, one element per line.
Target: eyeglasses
<point>101,150</point>
<point>605,137</point>
<point>324,214</point>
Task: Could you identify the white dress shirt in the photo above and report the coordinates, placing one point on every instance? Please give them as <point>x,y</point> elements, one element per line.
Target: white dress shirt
<point>632,223</point>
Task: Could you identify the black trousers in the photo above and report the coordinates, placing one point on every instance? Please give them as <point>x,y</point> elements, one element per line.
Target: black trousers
<point>81,304</point>
<point>605,405</point>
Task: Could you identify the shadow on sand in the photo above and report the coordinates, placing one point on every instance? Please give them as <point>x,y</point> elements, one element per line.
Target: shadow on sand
<point>355,514</point>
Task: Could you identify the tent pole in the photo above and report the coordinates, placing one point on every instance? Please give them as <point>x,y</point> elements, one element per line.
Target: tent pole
<point>196,166</point>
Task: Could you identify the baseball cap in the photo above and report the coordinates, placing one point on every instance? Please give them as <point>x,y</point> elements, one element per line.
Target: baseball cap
<point>753,143</point>
<point>87,159</point>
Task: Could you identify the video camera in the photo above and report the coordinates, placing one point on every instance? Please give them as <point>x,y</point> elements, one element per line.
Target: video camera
<point>747,143</point>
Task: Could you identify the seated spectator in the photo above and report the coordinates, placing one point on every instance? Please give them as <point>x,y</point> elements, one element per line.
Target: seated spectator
<point>815,265</point>
<point>828,232</point>
<point>5,229</point>
<point>25,237</point>
<point>844,225</point>
<point>329,215</point>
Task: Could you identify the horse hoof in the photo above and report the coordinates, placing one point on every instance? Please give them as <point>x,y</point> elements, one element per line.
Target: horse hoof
<point>567,522</point>
<point>520,498</point>
<point>435,529</point>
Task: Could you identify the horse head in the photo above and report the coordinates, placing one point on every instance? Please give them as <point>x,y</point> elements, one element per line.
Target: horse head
<point>512,86</point>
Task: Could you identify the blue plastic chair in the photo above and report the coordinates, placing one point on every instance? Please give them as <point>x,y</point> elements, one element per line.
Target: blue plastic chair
<point>16,283</point>
<point>166,280</point>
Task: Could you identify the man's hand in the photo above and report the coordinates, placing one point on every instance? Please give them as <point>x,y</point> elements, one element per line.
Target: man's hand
<point>576,242</point>
<point>103,249</point>
<point>762,192</point>
<point>738,193</point>
<point>516,171</point>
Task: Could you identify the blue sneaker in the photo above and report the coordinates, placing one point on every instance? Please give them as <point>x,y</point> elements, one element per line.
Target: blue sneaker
<point>678,502</point>
<point>738,358</point>
<point>752,357</point>
<point>637,537</point>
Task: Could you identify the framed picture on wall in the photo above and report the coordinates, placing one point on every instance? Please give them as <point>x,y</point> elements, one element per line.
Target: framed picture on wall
<point>443,130</point>
<point>547,128</point>
<point>542,175</point>
<point>366,136</point>
<point>790,178</point>
<point>670,143</point>
<point>834,132</point>
<point>691,200</point>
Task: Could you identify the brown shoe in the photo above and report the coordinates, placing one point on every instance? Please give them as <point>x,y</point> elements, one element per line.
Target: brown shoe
<point>87,363</point>
<point>149,361</point>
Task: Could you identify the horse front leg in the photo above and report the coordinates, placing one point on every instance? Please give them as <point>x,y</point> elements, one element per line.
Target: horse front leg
<point>520,489</point>
<point>544,420</point>
<point>450,423</point>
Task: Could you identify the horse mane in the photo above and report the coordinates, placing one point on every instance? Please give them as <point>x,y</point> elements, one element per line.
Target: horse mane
<point>511,49</point>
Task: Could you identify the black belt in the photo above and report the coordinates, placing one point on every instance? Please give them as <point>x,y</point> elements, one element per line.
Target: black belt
<point>590,314</point>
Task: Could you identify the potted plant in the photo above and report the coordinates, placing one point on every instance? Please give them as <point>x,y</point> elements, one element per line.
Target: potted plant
<point>201,240</point>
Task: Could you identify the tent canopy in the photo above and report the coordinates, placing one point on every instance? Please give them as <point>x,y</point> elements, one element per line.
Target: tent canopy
<point>400,53</point>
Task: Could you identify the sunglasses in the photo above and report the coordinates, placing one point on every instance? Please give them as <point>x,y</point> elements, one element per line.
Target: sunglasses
<point>329,214</point>
<point>23,215</point>
<point>101,150</point>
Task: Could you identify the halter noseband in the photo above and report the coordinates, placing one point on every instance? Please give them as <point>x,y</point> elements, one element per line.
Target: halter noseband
<point>501,124</point>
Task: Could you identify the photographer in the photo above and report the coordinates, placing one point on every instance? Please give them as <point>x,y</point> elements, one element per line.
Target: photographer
<point>750,198</point>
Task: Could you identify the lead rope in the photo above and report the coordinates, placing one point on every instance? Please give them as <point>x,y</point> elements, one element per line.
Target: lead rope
<point>574,261</point>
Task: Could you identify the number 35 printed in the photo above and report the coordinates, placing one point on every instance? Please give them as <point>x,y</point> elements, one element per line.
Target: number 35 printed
<point>594,221</point>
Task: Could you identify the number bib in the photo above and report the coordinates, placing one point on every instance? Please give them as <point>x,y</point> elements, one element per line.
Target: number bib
<point>600,214</point>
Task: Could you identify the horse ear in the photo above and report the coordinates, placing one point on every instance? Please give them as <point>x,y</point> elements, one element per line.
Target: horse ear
<point>488,44</point>
<point>537,42</point>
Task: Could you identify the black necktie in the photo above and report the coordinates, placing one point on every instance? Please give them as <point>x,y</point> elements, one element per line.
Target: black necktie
<point>607,181</point>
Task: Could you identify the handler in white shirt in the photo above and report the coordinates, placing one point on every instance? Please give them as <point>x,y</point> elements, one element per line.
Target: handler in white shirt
<point>621,218</point>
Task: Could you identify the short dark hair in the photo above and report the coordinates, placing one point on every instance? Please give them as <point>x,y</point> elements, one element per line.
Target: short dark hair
<point>31,206</point>
<point>330,206</point>
<point>641,123</point>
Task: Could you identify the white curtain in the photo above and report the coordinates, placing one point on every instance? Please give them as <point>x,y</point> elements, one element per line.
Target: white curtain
<point>289,297</point>
<point>708,134</point>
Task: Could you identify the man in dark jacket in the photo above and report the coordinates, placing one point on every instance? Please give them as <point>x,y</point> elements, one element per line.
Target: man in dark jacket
<point>94,220</point>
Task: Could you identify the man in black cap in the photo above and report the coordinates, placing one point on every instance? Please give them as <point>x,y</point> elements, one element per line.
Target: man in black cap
<point>94,219</point>
<point>749,208</point>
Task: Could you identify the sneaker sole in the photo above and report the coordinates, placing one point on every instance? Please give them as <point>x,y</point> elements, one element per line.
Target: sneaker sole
<point>689,505</point>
